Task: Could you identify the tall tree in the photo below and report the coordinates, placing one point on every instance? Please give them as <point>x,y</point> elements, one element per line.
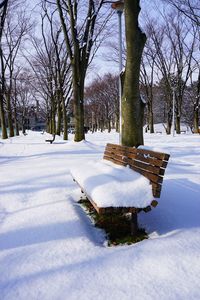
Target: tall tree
<point>3,12</point>
<point>79,23</point>
<point>101,103</point>
<point>14,34</point>
<point>132,106</point>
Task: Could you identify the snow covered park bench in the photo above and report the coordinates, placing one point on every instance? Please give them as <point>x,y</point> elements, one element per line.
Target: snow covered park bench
<point>126,180</point>
<point>51,140</point>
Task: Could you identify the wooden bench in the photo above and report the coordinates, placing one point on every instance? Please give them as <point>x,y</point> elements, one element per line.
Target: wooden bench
<point>148,163</point>
<point>51,140</point>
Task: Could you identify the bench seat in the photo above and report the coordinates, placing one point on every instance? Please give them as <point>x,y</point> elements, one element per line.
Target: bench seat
<point>125,180</point>
<point>111,185</point>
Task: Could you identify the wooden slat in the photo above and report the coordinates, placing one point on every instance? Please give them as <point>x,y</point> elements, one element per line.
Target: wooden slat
<point>114,153</point>
<point>159,155</point>
<point>148,163</point>
<point>113,156</point>
<point>138,154</point>
<point>151,153</point>
<point>149,160</point>
<point>152,177</point>
<point>138,161</point>
<point>147,167</point>
<point>118,162</point>
<point>138,167</point>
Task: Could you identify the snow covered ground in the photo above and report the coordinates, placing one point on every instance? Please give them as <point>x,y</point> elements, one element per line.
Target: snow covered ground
<point>49,250</point>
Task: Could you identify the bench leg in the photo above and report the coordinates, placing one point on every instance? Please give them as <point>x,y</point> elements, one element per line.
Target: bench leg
<point>134,224</point>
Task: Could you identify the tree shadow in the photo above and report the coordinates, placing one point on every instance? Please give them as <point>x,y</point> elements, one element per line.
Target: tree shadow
<point>178,208</point>
<point>81,152</point>
<point>38,234</point>
<point>36,184</point>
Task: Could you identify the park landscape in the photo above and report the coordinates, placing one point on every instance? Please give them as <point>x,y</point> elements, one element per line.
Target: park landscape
<point>50,249</point>
<point>99,150</point>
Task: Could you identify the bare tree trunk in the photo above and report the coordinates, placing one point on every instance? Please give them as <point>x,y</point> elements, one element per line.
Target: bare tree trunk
<point>132,106</point>
<point>79,47</point>
<point>2,88</point>
<point>9,112</point>
<point>151,122</point>
<point>196,108</point>
<point>178,124</point>
<point>59,117</point>
<point>2,117</point>
<point>196,121</point>
<point>117,122</point>
<point>109,126</point>
<point>78,91</point>
<point>16,122</point>
<point>23,124</point>
<point>169,123</point>
<point>64,116</point>
<point>53,115</point>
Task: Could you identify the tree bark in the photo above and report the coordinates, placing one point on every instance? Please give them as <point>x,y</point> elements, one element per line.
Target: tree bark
<point>64,116</point>
<point>2,88</point>
<point>59,116</point>
<point>151,122</point>
<point>132,106</point>
<point>78,92</point>
<point>9,112</point>
<point>2,117</point>
<point>196,108</point>
<point>178,124</point>
<point>196,121</point>
<point>79,47</point>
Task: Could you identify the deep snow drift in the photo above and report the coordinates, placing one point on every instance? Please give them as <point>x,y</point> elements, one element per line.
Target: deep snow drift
<point>50,250</point>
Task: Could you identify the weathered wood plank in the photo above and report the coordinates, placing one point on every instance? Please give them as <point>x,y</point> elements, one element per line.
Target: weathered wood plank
<point>152,177</point>
<point>149,153</point>
<point>138,154</point>
<point>116,161</point>
<point>147,167</point>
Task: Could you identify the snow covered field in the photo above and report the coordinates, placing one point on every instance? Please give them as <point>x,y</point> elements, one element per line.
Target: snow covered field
<point>49,250</point>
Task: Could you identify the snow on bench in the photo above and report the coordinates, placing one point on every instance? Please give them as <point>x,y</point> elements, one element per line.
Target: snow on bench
<point>51,140</point>
<point>111,185</point>
<point>125,180</point>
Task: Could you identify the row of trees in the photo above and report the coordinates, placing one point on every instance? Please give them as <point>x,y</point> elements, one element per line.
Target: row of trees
<point>57,58</point>
<point>13,90</point>
<point>169,68</point>
<point>172,55</point>
<point>102,105</point>
<point>48,64</point>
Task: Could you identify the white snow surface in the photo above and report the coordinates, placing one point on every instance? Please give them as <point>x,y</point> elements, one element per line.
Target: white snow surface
<point>108,184</point>
<point>50,250</point>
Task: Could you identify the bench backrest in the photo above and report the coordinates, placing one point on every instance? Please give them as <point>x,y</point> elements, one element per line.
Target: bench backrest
<point>150,164</point>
